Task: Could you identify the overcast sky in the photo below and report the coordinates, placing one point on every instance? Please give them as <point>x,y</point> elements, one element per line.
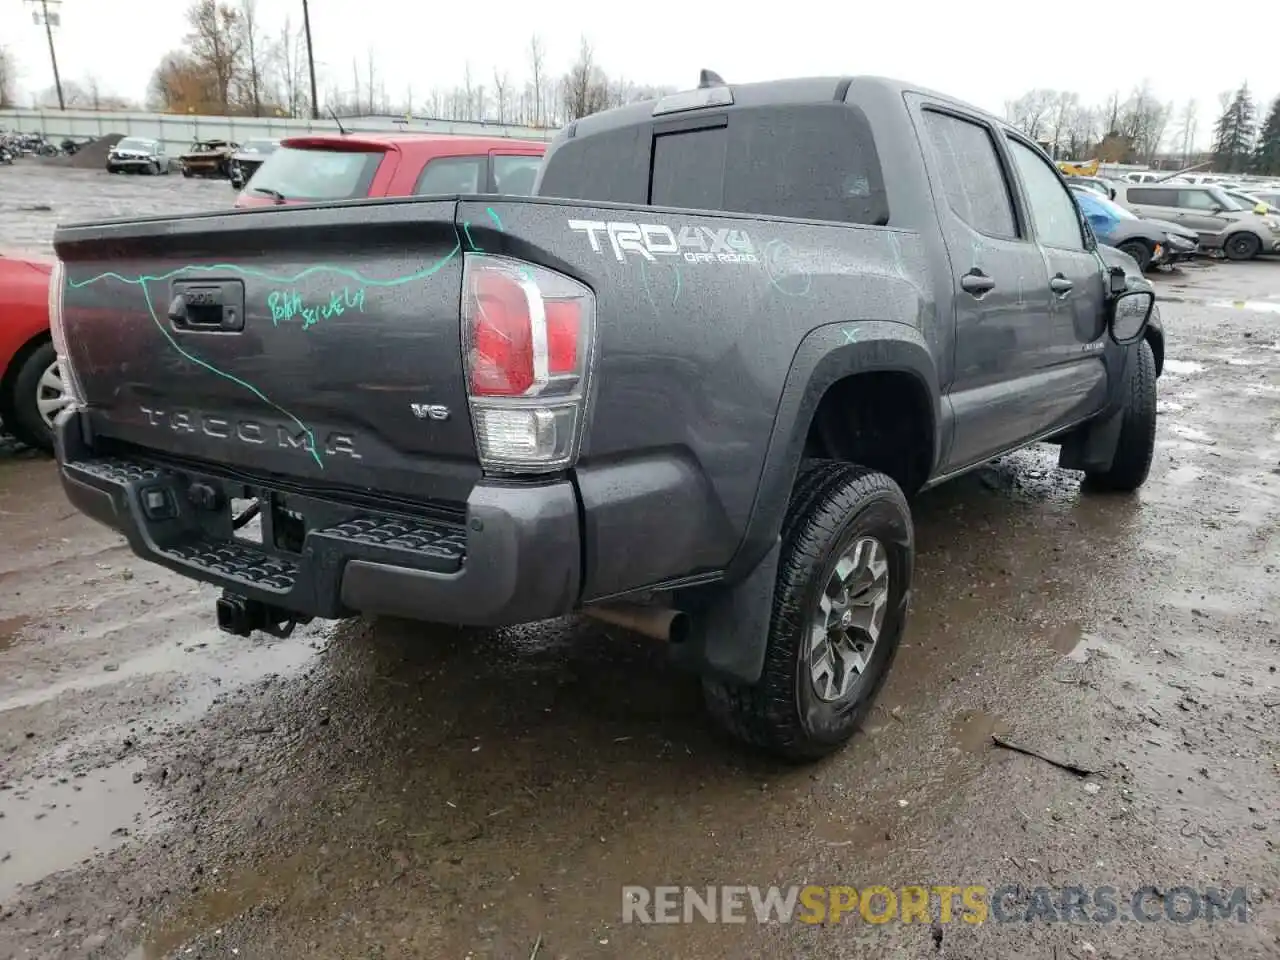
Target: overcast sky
<point>984,51</point>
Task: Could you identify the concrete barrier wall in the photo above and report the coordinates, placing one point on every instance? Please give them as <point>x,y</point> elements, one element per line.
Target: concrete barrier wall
<point>177,131</point>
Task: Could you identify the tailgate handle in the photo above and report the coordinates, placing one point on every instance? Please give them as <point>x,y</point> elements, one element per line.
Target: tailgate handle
<point>207,305</point>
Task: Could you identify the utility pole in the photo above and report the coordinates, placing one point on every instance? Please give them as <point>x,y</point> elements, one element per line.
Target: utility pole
<point>311,61</point>
<point>44,16</point>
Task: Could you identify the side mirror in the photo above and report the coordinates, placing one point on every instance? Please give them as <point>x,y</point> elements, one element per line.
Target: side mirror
<point>1130,312</point>
<point>1117,281</point>
<point>1215,209</point>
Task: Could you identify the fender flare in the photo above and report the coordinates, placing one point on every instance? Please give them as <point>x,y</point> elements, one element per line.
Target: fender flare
<point>826,355</point>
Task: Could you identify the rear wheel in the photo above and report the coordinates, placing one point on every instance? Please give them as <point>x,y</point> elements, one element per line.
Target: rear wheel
<point>1139,251</point>
<point>839,607</point>
<point>1242,246</point>
<point>38,397</point>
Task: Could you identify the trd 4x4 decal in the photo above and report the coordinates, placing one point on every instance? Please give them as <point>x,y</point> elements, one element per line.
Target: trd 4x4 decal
<point>695,244</point>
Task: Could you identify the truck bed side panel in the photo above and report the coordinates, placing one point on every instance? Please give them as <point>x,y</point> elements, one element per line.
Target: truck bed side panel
<point>698,319</point>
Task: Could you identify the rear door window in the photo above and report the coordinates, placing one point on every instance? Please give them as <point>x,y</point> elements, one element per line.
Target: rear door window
<point>515,175</point>
<point>313,175</point>
<point>972,175</point>
<point>448,175</point>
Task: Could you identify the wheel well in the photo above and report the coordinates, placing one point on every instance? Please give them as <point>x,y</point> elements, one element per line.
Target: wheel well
<point>880,420</point>
<point>8,375</point>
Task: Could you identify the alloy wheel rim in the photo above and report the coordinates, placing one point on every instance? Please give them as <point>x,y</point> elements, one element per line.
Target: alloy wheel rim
<point>846,626</point>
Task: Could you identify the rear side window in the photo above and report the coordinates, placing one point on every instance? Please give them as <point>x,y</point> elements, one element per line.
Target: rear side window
<point>1155,196</point>
<point>514,176</point>
<point>815,162</point>
<point>613,165</point>
<point>1197,200</point>
<point>304,174</point>
<point>972,175</point>
<point>445,175</point>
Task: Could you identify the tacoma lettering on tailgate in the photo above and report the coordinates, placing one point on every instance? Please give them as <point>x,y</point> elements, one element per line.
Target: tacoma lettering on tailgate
<point>256,432</point>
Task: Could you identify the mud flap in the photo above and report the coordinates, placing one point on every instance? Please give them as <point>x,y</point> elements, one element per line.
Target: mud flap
<point>1093,446</point>
<point>729,628</point>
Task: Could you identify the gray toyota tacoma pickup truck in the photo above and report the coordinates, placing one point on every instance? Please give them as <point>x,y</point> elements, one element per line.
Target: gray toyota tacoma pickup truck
<point>688,387</point>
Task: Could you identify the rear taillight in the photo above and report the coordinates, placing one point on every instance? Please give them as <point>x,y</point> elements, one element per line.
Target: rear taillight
<point>70,382</point>
<point>527,335</point>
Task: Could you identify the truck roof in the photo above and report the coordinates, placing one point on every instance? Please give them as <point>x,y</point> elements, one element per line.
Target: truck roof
<point>772,93</point>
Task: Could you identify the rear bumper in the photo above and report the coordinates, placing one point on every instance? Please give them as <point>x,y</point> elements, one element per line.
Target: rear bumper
<point>514,556</point>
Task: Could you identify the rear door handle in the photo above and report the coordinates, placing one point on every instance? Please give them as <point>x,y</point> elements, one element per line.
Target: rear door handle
<point>977,283</point>
<point>1060,285</point>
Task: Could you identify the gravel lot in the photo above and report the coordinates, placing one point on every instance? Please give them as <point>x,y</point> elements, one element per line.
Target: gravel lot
<point>383,789</point>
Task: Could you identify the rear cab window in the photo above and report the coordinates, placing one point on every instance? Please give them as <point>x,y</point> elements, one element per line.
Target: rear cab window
<point>315,174</point>
<point>808,161</point>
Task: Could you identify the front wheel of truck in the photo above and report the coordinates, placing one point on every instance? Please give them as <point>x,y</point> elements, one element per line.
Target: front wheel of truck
<point>839,607</point>
<point>1137,443</point>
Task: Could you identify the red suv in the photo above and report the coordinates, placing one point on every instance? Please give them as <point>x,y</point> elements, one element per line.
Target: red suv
<point>347,166</point>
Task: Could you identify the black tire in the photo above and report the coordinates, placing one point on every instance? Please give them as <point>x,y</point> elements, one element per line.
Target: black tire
<point>1242,246</point>
<point>154,169</point>
<point>186,172</point>
<point>112,169</point>
<point>833,504</point>
<point>28,426</point>
<point>1139,251</point>
<point>1137,442</point>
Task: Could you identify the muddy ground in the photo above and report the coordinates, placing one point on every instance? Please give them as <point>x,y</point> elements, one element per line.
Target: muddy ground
<point>386,789</point>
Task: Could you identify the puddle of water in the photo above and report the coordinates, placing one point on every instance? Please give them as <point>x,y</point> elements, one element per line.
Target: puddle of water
<point>972,730</point>
<point>1182,367</point>
<point>1259,306</point>
<point>1192,434</point>
<point>1065,637</point>
<point>208,655</point>
<point>10,627</point>
<point>61,824</point>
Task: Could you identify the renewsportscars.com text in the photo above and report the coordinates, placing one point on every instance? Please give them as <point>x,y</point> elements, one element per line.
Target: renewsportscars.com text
<point>974,904</point>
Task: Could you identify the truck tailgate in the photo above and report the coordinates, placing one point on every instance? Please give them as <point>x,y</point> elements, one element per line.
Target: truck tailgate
<point>306,342</point>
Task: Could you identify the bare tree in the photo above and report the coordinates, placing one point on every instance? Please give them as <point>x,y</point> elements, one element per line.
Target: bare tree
<point>502,90</point>
<point>291,54</point>
<point>215,44</point>
<point>536,55</point>
<point>1065,106</point>
<point>8,78</point>
<point>1188,130</point>
<point>252,43</point>
<point>1030,113</point>
<point>585,88</point>
<point>94,91</point>
<point>369,65</point>
<point>468,92</point>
